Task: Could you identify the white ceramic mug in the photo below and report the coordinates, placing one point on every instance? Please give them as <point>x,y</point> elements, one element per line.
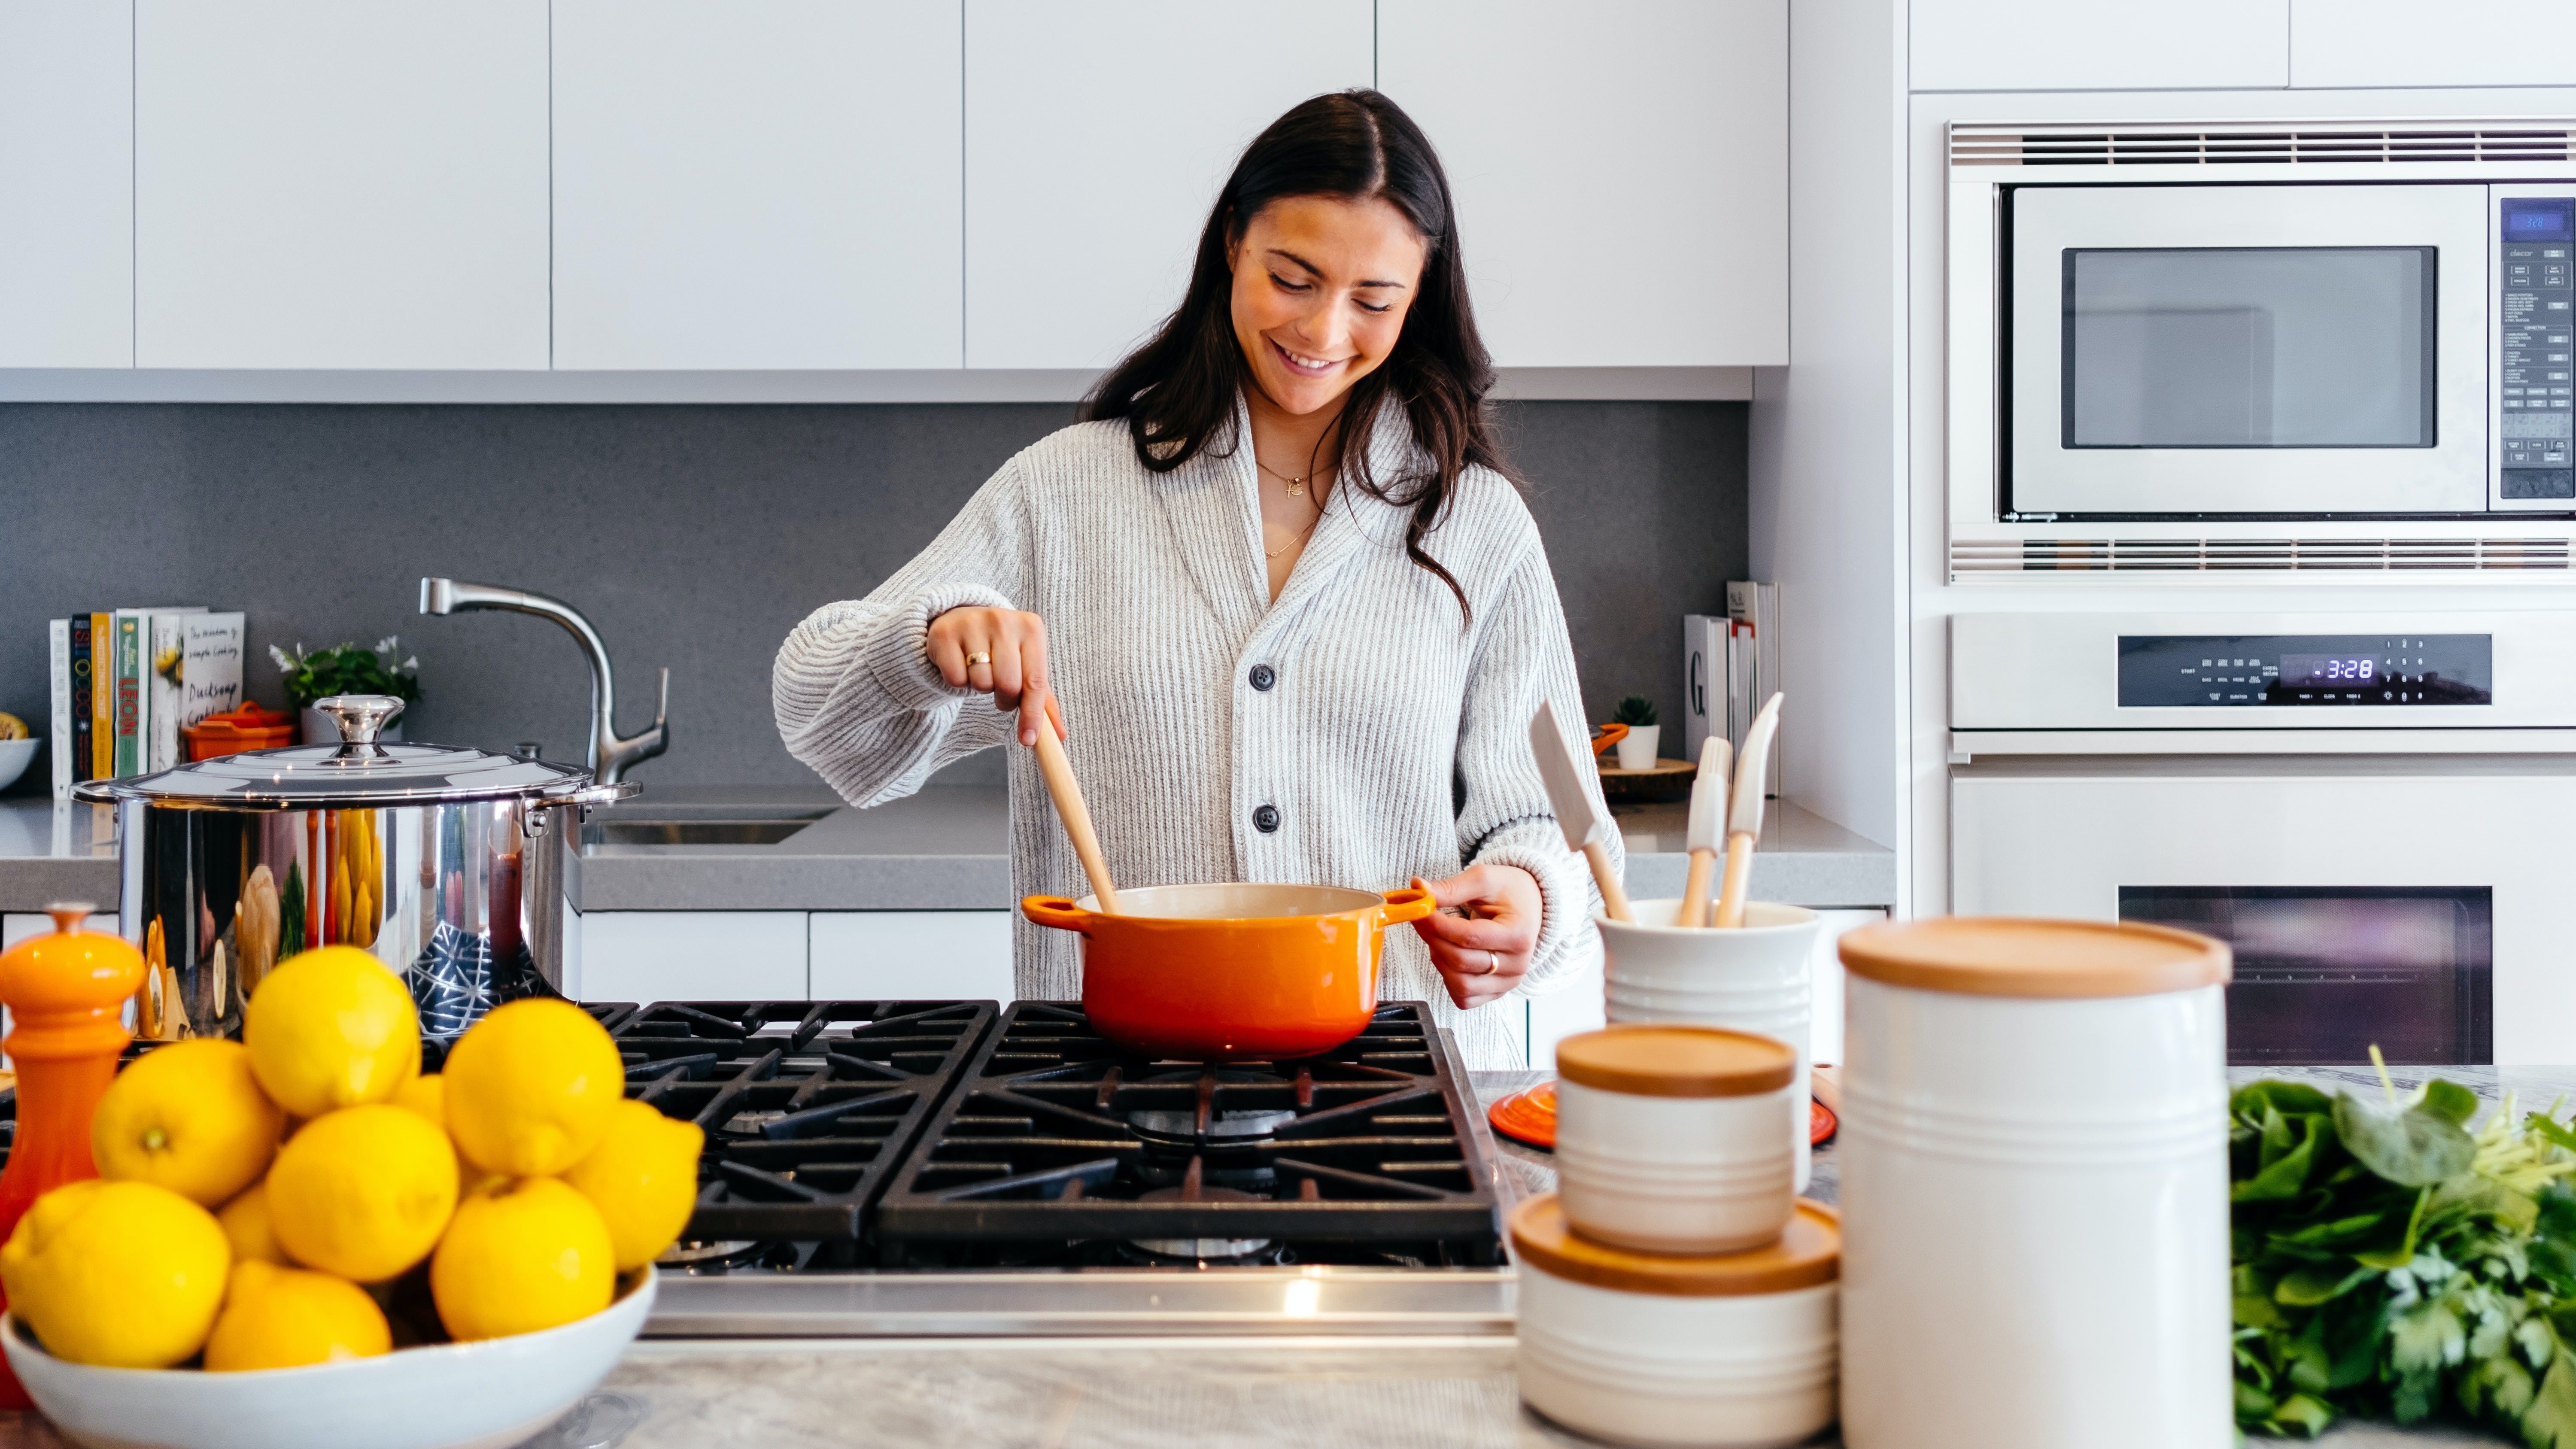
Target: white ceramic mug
<point>1753,978</point>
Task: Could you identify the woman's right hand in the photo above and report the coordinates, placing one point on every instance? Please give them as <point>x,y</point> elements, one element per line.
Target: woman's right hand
<point>1015,666</point>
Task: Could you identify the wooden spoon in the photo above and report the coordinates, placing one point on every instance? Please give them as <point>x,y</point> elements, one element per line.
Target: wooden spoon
<point>1066,791</point>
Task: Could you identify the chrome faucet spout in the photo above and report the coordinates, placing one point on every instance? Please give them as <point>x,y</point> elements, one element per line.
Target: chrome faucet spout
<point>610,753</point>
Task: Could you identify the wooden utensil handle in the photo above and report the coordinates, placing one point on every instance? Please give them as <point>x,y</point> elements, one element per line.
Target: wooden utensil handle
<point>1739,875</point>
<point>1614,899</point>
<point>1067,794</point>
<point>1703,864</point>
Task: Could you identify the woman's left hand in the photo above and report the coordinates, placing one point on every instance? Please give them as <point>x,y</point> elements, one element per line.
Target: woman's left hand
<point>1481,936</point>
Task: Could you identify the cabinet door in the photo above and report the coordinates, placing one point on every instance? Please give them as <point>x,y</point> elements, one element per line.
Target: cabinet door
<point>2474,43</point>
<point>693,956</point>
<point>327,185</point>
<point>1621,171</point>
<point>2050,45</point>
<point>911,955</point>
<point>67,173</point>
<point>1097,137</point>
<point>758,185</point>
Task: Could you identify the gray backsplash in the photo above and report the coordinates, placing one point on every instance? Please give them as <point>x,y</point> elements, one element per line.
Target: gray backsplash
<point>694,537</point>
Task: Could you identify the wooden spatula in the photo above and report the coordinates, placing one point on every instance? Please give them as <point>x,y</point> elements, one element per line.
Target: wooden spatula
<point>1744,812</point>
<point>1066,791</point>
<point>1562,771</point>
<point>1707,828</point>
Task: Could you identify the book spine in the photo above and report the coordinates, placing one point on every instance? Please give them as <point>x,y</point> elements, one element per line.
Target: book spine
<point>58,724</point>
<point>84,762</point>
<point>130,699</point>
<point>102,690</point>
<point>161,689</point>
<point>210,677</point>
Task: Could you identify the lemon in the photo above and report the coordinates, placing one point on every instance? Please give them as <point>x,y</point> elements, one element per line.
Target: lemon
<point>286,1317</point>
<point>427,1096</point>
<point>363,1192</point>
<point>331,1028</point>
<point>246,1225</point>
<point>522,1255</point>
<point>530,1086</point>
<point>643,1178</point>
<point>123,1274</point>
<point>189,1116</point>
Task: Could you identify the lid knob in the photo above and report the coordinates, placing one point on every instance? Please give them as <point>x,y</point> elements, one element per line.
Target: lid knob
<point>360,718</point>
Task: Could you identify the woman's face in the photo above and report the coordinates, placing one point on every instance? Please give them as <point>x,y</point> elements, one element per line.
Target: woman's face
<point>1321,286</point>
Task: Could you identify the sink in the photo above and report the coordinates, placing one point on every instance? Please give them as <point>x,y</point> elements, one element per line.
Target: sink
<point>739,828</point>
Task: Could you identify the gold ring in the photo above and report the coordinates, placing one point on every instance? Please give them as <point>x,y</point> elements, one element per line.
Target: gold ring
<point>978,657</point>
<point>1493,962</point>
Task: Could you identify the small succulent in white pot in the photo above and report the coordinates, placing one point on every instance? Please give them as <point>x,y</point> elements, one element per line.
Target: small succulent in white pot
<point>345,670</point>
<point>1637,748</point>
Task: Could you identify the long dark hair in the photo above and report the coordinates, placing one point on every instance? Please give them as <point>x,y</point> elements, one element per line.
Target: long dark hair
<point>1177,392</point>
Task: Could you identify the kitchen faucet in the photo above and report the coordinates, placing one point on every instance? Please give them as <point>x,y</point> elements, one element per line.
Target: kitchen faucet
<point>609,754</point>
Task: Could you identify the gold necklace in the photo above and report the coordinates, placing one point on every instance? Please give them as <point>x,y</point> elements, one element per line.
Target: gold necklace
<point>1296,486</point>
<point>1300,538</point>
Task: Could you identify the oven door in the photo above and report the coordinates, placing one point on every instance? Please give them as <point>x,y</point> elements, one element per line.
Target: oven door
<point>2285,350</point>
<point>2410,904</point>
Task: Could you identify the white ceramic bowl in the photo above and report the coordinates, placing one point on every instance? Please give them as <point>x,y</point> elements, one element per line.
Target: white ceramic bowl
<point>15,757</point>
<point>486,1395</point>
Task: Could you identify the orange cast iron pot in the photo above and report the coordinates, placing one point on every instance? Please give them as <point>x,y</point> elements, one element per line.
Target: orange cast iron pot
<point>1230,973</point>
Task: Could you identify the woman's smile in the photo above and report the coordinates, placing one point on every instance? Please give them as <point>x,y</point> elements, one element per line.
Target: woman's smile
<point>1301,364</point>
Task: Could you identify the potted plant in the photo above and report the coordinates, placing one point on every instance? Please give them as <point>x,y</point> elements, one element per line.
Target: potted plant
<point>1637,747</point>
<point>345,670</point>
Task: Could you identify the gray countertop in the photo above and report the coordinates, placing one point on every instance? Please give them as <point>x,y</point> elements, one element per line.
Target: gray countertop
<point>946,848</point>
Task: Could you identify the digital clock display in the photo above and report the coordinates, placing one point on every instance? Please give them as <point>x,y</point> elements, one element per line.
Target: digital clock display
<point>2307,669</point>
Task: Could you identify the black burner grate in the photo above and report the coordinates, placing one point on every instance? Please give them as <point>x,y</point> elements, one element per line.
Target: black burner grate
<point>807,1105</point>
<point>1057,1137</point>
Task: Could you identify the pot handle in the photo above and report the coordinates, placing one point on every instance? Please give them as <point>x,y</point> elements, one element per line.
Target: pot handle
<point>1057,911</point>
<point>1409,904</point>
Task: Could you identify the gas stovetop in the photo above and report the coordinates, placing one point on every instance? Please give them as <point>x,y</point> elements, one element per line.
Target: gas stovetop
<point>954,1167</point>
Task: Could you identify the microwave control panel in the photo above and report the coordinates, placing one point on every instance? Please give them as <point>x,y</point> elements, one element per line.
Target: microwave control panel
<point>2535,321</point>
<point>2255,671</point>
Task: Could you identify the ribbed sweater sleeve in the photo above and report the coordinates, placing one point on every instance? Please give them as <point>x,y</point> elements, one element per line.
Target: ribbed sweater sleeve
<point>854,692</point>
<point>1523,656</point>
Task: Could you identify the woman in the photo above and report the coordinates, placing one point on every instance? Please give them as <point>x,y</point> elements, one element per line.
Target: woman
<point>1294,612</point>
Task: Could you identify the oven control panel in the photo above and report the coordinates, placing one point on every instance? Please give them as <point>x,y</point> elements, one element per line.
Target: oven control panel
<point>2534,317</point>
<point>2258,671</point>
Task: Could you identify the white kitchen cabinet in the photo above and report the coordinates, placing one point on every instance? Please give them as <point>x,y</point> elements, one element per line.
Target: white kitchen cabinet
<point>2469,43</point>
<point>67,183</point>
<point>910,955</point>
<point>1620,169</point>
<point>1097,137</point>
<point>326,185</point>
<point>1578,1007</point>
<point>692,956</point>
<point>2101,45</point>
<point>757,185</point>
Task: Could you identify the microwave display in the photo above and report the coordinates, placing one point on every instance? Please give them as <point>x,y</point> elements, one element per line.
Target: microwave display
<point>2535,393</point>
<point>2168,671</point>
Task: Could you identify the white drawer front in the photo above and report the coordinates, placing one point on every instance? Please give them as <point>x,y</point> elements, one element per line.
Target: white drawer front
<point>911,955</point>
<point>692,956</point>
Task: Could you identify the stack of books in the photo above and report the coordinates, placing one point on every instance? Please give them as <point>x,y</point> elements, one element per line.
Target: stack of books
<point>126,682</point>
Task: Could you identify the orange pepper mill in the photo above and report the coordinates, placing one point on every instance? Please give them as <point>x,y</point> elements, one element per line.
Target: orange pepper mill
<point>66,993</point>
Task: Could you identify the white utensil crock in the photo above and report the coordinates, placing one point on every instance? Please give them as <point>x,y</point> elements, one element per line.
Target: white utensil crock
<point>1637,747</point>
<point>1669,1138</point>
<point>2034,1187</point>
<point>1753,978</point>
<point>1729,1352</point>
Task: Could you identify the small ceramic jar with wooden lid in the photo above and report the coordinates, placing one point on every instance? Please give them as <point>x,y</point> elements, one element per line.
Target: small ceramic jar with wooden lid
<point>1729,1351</point>
<point>1675,1139</point>
<point>2034,1186</point>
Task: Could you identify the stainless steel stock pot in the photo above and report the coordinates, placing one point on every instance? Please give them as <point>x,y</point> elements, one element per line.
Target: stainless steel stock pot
<point>451,865</point>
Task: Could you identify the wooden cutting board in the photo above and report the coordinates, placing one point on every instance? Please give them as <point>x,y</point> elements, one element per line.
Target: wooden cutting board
<point>1668,780</point>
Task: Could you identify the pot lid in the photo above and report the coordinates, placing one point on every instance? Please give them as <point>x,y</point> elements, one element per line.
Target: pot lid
<point>358,773</point>
<point>1808,1252</point>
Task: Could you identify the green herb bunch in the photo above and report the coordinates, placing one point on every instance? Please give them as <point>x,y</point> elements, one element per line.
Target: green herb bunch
<point>1636,712</point>
<point>2388,1261</point>
<point>347,670</point>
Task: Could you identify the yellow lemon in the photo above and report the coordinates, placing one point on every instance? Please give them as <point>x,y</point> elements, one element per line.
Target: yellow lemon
<point>522,1255</point>
<point>123,1274</point>
<point>428,1097</point>
<point>363,1192</point>
<point>643,1178</point>
<point>190,1117</point>
<point>529,1088</point>
<point>331,1028</point>
<point>286,1317</point>
<point>246,1225</point>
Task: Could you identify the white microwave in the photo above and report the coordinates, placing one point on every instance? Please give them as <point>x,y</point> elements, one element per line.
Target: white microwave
<point>2254,351</point>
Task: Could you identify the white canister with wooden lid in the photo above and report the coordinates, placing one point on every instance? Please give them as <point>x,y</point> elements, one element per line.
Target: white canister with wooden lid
<point>1733,1351</point>
<point>1672,1139</point>
<point>2034,1186</point>
<point>1755,979</point>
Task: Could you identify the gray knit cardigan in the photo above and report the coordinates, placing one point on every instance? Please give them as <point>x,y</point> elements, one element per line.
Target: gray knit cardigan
<point>1392,741</point>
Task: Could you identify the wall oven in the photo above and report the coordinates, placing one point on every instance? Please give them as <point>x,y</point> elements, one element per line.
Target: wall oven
<point>2376,810</point>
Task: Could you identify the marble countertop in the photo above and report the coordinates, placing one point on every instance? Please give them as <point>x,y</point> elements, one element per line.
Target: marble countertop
<point>946,848</point>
